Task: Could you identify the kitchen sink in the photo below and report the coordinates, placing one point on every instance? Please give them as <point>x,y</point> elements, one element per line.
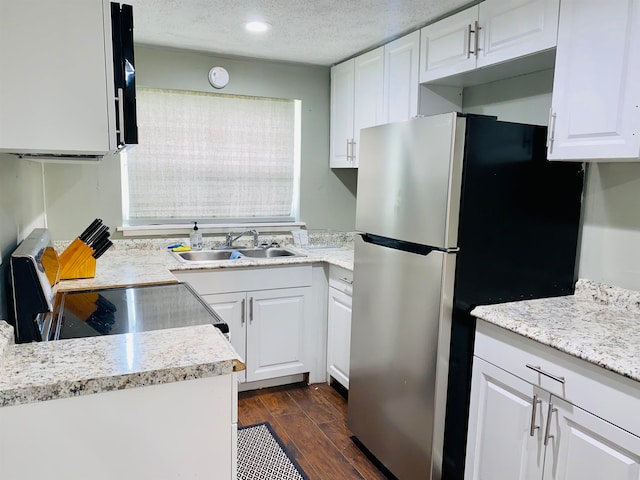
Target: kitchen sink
<point>227,254</point>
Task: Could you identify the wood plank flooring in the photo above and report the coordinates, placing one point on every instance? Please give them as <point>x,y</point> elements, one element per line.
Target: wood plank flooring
<point>311,422</point>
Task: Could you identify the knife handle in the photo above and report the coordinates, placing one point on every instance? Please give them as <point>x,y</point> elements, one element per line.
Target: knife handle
<point>90,229</point>
<point>98,253</point>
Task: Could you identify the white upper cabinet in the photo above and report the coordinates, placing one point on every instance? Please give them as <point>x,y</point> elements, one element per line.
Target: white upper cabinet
<point>448,46</point>
<point>57,93</point>
<point>342,98</point>
<point>368,95</point>
<point>377,87</point>
<point>492,32</point>
<point>595,113</point>
<point>514,28</point>
<point>401,85</point>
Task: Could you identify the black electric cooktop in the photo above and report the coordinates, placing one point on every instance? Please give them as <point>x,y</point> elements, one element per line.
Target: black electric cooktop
<point>109,311</point>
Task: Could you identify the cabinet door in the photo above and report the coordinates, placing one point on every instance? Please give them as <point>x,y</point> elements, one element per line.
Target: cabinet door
<point>339,336</point>
<point>401,83</point>
<point>596,93</point>
<point>448,46</point>
<point>56,82</point>
<point>505,435</point>
<point>513,28</point>
<point>231,308</point>
<point>368,94</point>
<point>585,447</point>
<point>342,103</point>
<point>275,332</point>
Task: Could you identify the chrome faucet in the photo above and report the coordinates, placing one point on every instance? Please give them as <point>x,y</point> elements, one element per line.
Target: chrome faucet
<point>230,238</point>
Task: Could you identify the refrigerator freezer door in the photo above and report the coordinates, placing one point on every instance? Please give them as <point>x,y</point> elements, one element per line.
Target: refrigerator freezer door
<point>409,180</point>
<point>399,355</point>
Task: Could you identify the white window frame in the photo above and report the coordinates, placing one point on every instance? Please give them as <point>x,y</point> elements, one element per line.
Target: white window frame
<point>131,227</point>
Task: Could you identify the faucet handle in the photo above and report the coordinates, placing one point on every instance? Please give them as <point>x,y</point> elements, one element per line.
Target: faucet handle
<point>256,241</point>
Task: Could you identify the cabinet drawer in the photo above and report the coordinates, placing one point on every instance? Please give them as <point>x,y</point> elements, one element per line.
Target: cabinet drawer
<point>242,279</point>
<point>341,279</point>
<point>603,393</point>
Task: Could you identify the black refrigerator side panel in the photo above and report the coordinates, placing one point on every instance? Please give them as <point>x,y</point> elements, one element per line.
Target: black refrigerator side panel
<point>518,238</point>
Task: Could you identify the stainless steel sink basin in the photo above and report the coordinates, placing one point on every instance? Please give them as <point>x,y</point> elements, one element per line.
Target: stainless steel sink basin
<point>215,255</point>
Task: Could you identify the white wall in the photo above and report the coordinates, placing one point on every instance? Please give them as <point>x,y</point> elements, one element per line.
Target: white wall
<point>610,244</point>
<point>524,99</point>
<point>21,210</point>
<point>75,194</point>
<point>610,250</point>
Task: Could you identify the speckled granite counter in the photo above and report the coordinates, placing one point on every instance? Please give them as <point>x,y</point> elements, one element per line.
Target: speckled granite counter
<point>44,371</point>
<point>599,324</point>
<point>141,264</point>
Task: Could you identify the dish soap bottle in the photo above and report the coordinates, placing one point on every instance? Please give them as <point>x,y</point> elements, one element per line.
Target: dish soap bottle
<point>195,238</point>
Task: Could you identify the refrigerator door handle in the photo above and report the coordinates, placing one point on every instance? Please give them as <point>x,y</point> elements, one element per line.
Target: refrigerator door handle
<point>405,246</point>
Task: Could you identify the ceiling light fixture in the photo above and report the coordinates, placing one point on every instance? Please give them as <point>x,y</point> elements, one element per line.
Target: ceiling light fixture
<point>257,27</point>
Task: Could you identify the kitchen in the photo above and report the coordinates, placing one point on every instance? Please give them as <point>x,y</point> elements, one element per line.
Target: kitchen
<point>32,193</point>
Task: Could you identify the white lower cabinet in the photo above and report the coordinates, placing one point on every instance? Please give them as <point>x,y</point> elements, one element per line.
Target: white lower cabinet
<point>266,329</point>
<point>339,325</point>
<point>339,336</point>
<point>502,444</point>
<point>182,429</point>
<point>275,332</point>
<point>584,446</point>
<point>523,428</point>
<point>268,326</point>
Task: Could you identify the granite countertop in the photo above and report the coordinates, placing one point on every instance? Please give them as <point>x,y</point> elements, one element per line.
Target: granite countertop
<point>135,266</point>
<point>599,324</point>
<point>49,370</point>
<point>36,372</point>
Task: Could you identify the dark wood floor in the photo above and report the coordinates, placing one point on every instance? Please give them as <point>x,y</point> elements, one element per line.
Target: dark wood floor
<point>311,422</point>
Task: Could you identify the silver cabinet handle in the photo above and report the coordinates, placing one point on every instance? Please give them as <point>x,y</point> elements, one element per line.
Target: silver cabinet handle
<point>539,370</point>
<point>353,150</point>
<point>345,279</point>
<point>477,37</point>
<point>120,131</point>
<point>348,150</point>
<point>475,30</point>
<point>533,427</point>
<point>547,433</point>
<point>251,309</point>
<point>551,130</point>
<point>242,319</point>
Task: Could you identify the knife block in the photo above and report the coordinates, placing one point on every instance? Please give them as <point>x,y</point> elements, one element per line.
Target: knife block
<point>77,261</point>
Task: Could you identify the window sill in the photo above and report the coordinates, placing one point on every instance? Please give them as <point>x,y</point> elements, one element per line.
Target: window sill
<point>204,228</point>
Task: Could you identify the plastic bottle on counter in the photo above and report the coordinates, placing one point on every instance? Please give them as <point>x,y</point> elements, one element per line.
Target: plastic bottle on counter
<point>195,238</point>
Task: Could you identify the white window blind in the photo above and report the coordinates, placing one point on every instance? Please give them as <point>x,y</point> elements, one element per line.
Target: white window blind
<point>222,158</point>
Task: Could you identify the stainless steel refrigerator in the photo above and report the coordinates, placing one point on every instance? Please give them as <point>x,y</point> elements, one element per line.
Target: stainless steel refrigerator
<point>453,211</point>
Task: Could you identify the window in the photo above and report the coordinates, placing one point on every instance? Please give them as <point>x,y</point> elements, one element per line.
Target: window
<point>212,158</point>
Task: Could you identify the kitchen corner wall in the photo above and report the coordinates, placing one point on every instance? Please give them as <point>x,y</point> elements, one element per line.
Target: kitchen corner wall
<point>610,250</point>
<point>21,210</point>
<point>75,194</point>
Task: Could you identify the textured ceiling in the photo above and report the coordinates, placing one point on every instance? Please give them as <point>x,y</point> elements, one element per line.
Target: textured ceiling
<point>320,32</point>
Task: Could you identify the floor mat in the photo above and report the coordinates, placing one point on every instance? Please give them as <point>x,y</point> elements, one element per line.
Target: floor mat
<point>262,456</point>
